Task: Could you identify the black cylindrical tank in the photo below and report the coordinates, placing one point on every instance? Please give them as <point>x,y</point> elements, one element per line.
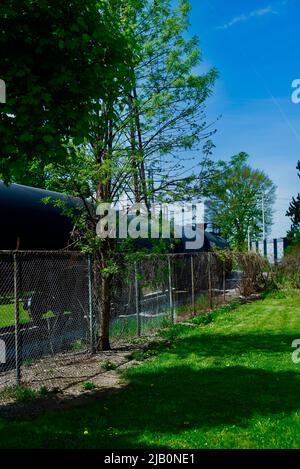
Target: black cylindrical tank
<point>36,224</point>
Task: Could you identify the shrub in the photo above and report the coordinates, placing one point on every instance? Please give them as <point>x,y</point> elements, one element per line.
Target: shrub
<point>255,273</point>
<point>288,271</point>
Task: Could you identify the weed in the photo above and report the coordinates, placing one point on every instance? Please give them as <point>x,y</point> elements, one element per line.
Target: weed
<point>77,345</point>
<point>88,385</point>
<point>28,362</point>
<point>108,365</point>
<point>43,391</point>
<point>18,393</point>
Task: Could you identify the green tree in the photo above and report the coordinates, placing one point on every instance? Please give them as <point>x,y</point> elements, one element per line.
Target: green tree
<point>167,101</point>
<point>237,196</point>
<point>141,141</point>
<point>294,213</point>
<point>57,60</point>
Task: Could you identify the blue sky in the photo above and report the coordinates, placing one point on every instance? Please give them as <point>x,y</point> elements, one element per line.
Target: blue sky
<point>255,47</point>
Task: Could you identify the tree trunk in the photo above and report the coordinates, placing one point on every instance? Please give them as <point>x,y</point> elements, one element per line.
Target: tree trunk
<point>105,299</point>
<point>133,151</point>
<point>140,146</point>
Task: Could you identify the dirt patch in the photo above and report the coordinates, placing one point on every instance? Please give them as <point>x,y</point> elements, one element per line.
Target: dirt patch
<point>64,377</point>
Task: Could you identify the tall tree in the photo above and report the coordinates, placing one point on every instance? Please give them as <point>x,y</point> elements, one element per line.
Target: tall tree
<point>140,138</point>
<point>294,213</point>
<point>238,196</point>
<point>167,100</point>
<point>57,59</point>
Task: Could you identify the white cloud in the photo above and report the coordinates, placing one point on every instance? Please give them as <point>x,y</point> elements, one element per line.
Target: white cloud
<point>247,16</point>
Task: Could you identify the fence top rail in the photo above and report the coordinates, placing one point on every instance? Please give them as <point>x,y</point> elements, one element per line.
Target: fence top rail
<point>150,254</point>
<point>41,252</point>
<point>79,253</point>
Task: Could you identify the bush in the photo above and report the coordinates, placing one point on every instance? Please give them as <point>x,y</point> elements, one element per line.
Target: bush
<point>288,271</point>
<point>256,273</point>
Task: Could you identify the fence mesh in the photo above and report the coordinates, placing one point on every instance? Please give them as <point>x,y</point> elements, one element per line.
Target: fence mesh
<point>50,306</point>
<point>44,308</point>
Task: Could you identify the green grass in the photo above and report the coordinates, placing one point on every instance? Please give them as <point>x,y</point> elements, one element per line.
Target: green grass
<point>227,384</point>
<point>23,393</point>
<point>201,304</point>
<point>7,315</point>
<point>123,328</point>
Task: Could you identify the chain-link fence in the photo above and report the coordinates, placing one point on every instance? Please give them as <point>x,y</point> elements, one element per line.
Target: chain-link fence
<point>50,310</point>
<point>44,308</point>
<point>166,288</point>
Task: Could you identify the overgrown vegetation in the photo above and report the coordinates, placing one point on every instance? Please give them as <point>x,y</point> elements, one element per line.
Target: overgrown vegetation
<point>255,273</point>
<point>23,393</point>
<point>287,273</point>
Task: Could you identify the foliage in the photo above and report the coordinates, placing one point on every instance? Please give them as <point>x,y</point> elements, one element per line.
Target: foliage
<point>19,393</point>
<point>288,271</point>
<point>208,318</point>
<point>235,200</point>
<point>294,213</point>
<point>77,345</point>
<point>108,365</point>
<point>142,137</point>
<point>57,59</point>
<point>43,391</point>
<point>254,273</point>
<point>88,386</point>
<point>203,319</point>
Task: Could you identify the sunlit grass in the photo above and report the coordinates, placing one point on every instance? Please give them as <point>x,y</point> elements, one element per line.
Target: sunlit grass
<point>230,383</point>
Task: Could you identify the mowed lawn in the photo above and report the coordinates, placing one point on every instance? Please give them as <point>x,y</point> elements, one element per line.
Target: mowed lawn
<point>7,314</point>
<point>228,384</point>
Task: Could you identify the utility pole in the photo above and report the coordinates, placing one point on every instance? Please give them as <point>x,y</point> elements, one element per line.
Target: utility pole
<point>263,216</point>
<point>264,225</point>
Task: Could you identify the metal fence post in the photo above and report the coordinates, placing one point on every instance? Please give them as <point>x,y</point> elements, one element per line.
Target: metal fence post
<point>224,280</point>
<point>209,282</point>
<point>171,291</point>
<point>137,301</point>
<point>17,321</point>
<point>91,303</point>
<point>193,284</point>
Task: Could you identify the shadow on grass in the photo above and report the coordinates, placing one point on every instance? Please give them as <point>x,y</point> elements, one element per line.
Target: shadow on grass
<point>220,345</point>
<point>163,403</point>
